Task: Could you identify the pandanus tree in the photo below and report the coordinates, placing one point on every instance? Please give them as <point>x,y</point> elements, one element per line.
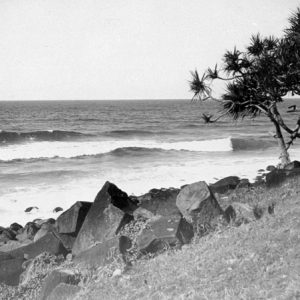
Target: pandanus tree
<point>257,80</point>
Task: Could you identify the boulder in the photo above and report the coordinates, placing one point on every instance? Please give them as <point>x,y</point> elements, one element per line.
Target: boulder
<point>270,168</point>
<point>160,201</point>
<point>10,270</point>
<point>48,243</point>
<point>271,208</point>
<point>54,279</point>
<point>57,209</point>
<point>239,213</point>
<point>258,212</point>
<point>224,185</point>
<point>164,232</point>
<point>45,228</point>
<point>293,165</point>
<point>28,232</point>
<point>229,214</point>
<point>110,212</point>
<point>275,178</point>
<point>244,183</point>
<point>6,234</point>
<point>72,219</point>
<point>64,291</point>
<point>279,176</point>
<point>104,253</point>
<point>197,203</point>
<point>15,227</point>
<point>31,209</point>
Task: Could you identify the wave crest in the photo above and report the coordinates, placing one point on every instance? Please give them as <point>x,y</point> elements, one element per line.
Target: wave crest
<point>80,150</point>
<point>12,137</point>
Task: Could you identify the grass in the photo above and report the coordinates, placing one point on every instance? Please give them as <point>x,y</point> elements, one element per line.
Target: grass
<point>259,260</point>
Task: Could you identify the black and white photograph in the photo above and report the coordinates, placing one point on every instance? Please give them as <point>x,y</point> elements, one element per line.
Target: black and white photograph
<point>149,149</point>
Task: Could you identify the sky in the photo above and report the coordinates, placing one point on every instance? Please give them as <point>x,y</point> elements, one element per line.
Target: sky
<point>123,49</point>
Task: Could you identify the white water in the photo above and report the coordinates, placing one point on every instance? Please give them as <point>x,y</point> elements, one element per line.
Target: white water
<point>137,179</point>
<point>73,149</point>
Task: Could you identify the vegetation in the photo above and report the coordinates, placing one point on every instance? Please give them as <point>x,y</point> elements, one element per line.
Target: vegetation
<point>257,79</point>
<point>258,260</point>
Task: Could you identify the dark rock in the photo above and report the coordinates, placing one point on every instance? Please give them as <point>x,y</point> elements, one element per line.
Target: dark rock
<point>10,270</point>
<point>271,209</point>
<point>54,279</point>
<point>270,168</point>
<point>6,234</point>
<point>64,291</point>
<point>31,208</point>
<point>164,232</point>
<point>110,212</point>
<point>260,170</point>
<point>15,227</point>
<point>229,214</point>
<point>258,212</point>
<point>244,183</point>
<point>57,209</point>
<point>48,243</point>
<point>259,179</point>
<point>28,232</point>
<point>104,253</point>
<point>160,202</point>
<point>224,185</point>
<point>275,178</point>
<point>293,165</point>
<point>197,203</point>
<point>72,219</point>
<point>279,176</point>
<point>239,213</point>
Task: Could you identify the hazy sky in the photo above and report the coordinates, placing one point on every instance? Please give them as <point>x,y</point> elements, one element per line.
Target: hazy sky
<point>122,49</point>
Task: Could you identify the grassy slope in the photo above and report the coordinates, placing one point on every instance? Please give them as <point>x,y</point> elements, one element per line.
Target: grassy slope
<point>259,260</point>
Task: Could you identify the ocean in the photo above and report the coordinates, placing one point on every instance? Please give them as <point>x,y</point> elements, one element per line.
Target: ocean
<point>54,153</point>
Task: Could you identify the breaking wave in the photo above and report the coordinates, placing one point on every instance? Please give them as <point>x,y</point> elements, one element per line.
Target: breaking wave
<point>79,149</point>
<point>12,137</point>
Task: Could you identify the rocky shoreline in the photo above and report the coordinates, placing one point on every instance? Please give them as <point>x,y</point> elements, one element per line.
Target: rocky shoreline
<point>119,227</point>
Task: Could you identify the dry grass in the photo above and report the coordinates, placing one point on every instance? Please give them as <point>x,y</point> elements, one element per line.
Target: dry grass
<point>259,260</point>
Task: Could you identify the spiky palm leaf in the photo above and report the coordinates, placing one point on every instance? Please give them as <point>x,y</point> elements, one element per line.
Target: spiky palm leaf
<point>256,46</point>
<point>270,43</point>
<point>198,86</point>
<point>213,74</point>
<point>232,61</point>
<point>294,21</point>
<point>239,101</point>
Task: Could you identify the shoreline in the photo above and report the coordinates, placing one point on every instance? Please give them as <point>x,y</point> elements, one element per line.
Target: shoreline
<point>42,213</point>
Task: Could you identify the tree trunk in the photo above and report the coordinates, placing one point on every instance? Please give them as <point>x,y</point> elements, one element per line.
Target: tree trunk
<point>284,155</point>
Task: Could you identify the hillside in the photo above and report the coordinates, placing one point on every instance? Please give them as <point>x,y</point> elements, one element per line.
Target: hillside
<point>259,260</point>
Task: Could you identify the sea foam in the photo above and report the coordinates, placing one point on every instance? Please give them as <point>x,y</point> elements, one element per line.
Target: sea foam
<point>74,149</point>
